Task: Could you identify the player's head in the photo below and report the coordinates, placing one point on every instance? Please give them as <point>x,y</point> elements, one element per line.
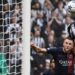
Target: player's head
<point>68,44</point>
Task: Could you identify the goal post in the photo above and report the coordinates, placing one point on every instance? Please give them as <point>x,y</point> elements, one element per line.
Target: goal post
<point>26,38</point>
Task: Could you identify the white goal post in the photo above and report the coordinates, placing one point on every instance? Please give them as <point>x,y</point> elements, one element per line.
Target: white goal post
<point>26,37</point>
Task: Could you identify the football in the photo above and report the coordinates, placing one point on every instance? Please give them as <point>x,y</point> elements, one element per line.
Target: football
<point>71,6</point>
<point>71,10</point>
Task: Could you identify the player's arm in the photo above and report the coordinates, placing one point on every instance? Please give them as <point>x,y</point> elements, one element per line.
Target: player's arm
<point>36,48</point>
<point>43,50</point>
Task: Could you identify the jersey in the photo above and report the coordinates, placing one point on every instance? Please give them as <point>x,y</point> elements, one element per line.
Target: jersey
<point>3,65</point>
<point>63,61</point>
<point>71,30</point>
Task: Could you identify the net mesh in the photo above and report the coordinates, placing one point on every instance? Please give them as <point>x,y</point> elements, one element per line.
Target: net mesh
<point>10,37</point>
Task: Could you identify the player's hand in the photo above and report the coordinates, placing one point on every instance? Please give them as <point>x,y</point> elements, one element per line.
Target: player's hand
<point>36,48</point>
<point>32,44</point>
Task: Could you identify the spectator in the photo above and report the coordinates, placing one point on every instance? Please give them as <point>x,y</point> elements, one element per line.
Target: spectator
<point>13,30</point>
<point>51,39</point>
<point>55,24</point>
<point>59,41</point>
<point>40,20</point>
<point>19,56</point>
<point>47,9</point>
<point>49,67</point>
<point>36,5</point>
<point>60,10</point>
<point>37,39</point>
<point>15,56</point>
<point>42,3</point>
<point>45,31</point>
<point>67,22</point>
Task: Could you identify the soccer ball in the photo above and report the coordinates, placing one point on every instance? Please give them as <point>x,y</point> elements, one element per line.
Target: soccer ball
<point>70,7</point>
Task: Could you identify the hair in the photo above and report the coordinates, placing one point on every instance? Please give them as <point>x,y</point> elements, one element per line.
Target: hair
<point>35,28</point>
<point>69,38</point>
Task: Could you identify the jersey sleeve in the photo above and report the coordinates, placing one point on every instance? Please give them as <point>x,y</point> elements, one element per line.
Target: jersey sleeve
<point>54,49</point>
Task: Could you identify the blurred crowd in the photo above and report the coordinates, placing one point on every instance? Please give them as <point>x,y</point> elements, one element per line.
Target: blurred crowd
<point>11,34</point>
<point>49,23</point>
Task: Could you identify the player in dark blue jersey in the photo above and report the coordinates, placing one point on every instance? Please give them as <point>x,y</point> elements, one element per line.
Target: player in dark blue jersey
<point>64,56</point>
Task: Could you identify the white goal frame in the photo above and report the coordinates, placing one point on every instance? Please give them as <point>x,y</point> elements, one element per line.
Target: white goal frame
<point>26,38</point>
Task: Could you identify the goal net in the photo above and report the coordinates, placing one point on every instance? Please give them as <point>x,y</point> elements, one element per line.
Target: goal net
<point>10,37</point>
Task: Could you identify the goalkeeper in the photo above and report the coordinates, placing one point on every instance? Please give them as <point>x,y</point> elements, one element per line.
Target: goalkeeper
<point>3,63</point>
